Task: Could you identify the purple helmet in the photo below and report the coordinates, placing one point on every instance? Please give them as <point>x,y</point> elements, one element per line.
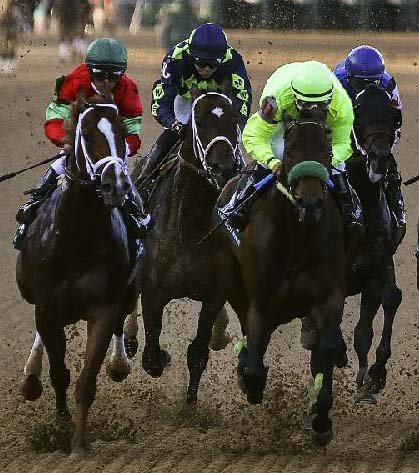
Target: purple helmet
<point>208,41</point>
<point>365,62</point>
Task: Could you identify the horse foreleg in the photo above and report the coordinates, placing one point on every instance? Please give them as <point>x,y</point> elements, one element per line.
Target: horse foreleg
<point>118,366</point>
<point>377,373</point>
<point>220,338</point>
<point>198,351</point>
<point>154,359</point>
<point>323,356</point>
<point>53,337</point>
<point>31,388</point>
<point>100,326</point>
<point>130,333</point>
<point>258,336</point>
<point>370,302</point>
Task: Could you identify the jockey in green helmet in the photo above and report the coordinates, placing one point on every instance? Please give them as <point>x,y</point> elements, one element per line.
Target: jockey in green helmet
<point>104,68</point>
<point>300,90</point>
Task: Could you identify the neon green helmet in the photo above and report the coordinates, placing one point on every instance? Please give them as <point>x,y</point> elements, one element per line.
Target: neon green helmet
<point>107,52</point>
<point>312,82</point>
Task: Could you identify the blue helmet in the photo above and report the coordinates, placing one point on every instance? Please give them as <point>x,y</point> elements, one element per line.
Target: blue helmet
<point>208,41</point>
<point>365,62</point>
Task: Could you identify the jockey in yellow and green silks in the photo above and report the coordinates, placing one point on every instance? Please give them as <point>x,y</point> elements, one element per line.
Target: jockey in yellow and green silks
<point>295,90</point>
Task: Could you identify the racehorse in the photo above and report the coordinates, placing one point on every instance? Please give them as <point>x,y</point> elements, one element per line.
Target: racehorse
<point>173,265</point>
<point>292,263</point>
<point>374,276</point>
<point>75,263</point>
<point>72,19</point>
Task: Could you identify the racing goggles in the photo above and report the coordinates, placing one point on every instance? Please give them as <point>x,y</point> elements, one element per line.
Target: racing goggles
<point>211,63</point>
<point>303,105</point>
<point>360,84</point>
<point>109,73</point>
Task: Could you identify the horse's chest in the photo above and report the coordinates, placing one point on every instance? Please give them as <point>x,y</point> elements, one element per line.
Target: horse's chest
<point>300,289</point>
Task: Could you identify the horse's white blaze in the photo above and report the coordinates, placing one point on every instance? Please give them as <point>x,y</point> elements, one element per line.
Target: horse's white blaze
<point>33,364</point>
<point>218,111</point>
<point>105,126</point>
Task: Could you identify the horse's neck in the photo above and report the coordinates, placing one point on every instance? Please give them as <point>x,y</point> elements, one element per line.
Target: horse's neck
<point>193,197</point>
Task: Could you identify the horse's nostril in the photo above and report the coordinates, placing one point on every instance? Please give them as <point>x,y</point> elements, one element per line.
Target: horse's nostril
<point>106,188</point>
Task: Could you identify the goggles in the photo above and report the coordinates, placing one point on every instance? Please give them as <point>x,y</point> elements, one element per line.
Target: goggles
<point>211,63</point>
<point>106,73</point>
<point>302,105</point>
<point>359,84</point>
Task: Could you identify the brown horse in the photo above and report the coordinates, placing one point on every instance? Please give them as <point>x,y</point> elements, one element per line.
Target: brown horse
<point>173,265</point>
<point>292,262</point>
<point>75,264</point>
<point>72,17</point>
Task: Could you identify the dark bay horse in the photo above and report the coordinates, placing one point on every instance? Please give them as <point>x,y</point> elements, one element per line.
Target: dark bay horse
<point>75,264</point>
<point>173,265</point>
<point>292,262</point>
<point>374,276</point>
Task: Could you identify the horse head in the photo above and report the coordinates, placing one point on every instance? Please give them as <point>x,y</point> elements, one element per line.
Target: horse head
<point>99,154</point>
<point>306,166</point>
<point>373,131</point>
<point>215,136</point>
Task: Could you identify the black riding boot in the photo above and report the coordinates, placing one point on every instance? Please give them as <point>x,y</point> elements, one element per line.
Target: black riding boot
<point>158,152</point>
<point>27,213</point>
<point>396,203</point>
<point>136,221</point>
<point>351,213</point>
<point>245,187</point>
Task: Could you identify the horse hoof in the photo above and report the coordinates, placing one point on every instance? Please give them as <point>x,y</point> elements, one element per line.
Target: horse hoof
<point>31,388</point>
<point>365,397</point>
<point>155,370</point>
<point>220,342</point>
<point>118,374</point>
<point>360,377</point>
<point>321,439</point>
<point>63,416</point>
<point>192,398</point>
<point>254,397</point>
<point>131,346</point>
<point>240,380</point>
<point>78,453</point>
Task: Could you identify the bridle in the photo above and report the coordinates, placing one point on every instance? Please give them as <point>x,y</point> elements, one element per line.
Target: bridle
<point>97,169</point>
<point>201,150</point>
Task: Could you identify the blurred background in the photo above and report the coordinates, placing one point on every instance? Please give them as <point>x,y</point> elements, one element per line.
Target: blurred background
<point>174,18</point>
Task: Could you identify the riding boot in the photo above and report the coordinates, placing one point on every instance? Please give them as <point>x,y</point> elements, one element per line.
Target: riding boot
<point>396,204</point>
<point>136,221</point>
<point>246,186</point>
<point>158,152</point>
<point>27,213</point>
<point>351,212</point>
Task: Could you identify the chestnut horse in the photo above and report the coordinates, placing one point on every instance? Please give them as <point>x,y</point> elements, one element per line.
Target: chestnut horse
<point>173,265</point>
<point>75,264</point>
<point>292,264</point>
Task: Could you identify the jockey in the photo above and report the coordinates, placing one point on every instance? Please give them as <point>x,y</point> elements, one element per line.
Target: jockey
<point>296,90</point>
<point>104,65</point>
<point>206,61</point>
<point>362,66</point>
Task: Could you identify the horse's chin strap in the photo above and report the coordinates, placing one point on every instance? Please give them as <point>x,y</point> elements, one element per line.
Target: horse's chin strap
<point>201,151</point>
<point>91,167</point>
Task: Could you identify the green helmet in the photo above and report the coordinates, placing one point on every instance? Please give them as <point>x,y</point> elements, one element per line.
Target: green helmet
<point>106,52</point>
<point>312,82</point>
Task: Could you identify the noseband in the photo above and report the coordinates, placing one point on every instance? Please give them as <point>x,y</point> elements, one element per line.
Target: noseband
<point>201,151</point>
<point>96,170</point>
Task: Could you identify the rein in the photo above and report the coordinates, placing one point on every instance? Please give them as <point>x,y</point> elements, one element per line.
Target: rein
<point>200,150</point>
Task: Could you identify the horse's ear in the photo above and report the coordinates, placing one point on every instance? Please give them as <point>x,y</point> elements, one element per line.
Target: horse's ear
<point>195,92</point>
<point>227,87</point>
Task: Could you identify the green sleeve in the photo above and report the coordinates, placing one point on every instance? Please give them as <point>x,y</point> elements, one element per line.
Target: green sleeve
<point>257,135</point>
<point>133,125</point>
<point>341,130</point>
<point>57,110</point>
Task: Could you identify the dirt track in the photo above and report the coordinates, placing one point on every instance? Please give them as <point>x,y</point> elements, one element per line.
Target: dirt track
<point>142,425</point>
